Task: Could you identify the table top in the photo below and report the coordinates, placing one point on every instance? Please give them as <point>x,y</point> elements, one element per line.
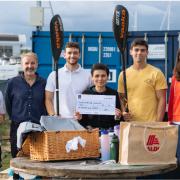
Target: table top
<point>85,169</point>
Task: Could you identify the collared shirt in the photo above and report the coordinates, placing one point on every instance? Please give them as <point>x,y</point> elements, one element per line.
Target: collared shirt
<point>25,102</point>
<point>71,83</point>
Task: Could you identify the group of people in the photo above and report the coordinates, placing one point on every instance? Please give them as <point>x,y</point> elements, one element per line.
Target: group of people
<point>28,96</point>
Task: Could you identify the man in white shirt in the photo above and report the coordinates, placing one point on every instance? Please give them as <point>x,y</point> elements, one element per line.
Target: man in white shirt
<point>73,80</point>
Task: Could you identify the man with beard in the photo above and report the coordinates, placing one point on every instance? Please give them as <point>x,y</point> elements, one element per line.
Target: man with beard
<point>73,80</point>
<point>24,97</point>
<point>146,86</point>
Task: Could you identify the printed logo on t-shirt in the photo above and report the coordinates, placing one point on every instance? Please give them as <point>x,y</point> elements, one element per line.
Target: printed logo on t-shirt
<point>149,81</point>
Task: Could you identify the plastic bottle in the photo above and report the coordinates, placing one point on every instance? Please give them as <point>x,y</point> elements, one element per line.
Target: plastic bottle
<point>111,132</point>
<point>114,148</point>
<point>105,147</point>
<point>117,130</point>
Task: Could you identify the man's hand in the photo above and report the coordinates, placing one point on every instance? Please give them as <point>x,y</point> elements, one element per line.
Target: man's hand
<point>127,116</point>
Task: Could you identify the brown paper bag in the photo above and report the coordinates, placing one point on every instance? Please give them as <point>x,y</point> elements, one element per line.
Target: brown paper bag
<point>147,143</point>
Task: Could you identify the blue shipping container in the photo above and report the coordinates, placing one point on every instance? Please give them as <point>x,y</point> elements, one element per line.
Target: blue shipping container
<point>101,47</point>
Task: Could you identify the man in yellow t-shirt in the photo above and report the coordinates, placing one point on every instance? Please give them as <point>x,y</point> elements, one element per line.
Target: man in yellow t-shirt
<point>146,86</point>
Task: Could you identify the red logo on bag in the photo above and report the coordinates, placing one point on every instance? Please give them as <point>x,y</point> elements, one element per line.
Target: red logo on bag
<point>153,143</point>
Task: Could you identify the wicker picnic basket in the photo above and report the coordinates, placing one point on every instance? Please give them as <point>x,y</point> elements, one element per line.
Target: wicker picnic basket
<point>25,150</point>
<point>50,145</point>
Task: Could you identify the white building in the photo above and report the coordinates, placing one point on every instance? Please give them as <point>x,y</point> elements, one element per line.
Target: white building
<point>10,50</point>
<point>10,45</point>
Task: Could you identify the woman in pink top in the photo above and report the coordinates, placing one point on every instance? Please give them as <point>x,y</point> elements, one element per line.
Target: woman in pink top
<point>174,97</point>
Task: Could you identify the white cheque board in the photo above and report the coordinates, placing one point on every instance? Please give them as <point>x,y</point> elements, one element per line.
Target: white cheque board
<point>96,104</point>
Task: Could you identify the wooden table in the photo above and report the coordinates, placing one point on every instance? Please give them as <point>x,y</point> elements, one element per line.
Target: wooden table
<point>85,169</point>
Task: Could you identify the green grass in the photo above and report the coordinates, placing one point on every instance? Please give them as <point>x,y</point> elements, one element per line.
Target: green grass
<point>6,156</point>
<point>5,145</point>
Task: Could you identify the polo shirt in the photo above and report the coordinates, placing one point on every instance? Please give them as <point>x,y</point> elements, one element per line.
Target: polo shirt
<point>71,83</point>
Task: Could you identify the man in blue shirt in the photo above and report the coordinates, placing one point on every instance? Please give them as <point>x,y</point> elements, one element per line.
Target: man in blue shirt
<point>24,97</point>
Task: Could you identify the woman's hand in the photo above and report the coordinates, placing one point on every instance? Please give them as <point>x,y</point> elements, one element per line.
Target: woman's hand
<point>77,116</point>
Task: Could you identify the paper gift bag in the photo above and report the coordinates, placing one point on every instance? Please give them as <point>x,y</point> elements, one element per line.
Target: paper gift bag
<point>147,143</point>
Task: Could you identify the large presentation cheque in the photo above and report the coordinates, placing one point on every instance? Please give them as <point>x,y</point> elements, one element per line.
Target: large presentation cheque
<point>96,104</point>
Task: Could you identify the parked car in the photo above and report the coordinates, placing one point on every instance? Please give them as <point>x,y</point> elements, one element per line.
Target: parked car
<point>15,60</point>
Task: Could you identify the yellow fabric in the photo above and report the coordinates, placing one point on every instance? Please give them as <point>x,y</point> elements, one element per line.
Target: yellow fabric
<point>141,87</point>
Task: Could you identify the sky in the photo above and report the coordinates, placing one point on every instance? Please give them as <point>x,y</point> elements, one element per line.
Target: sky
<point>89,15</point>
